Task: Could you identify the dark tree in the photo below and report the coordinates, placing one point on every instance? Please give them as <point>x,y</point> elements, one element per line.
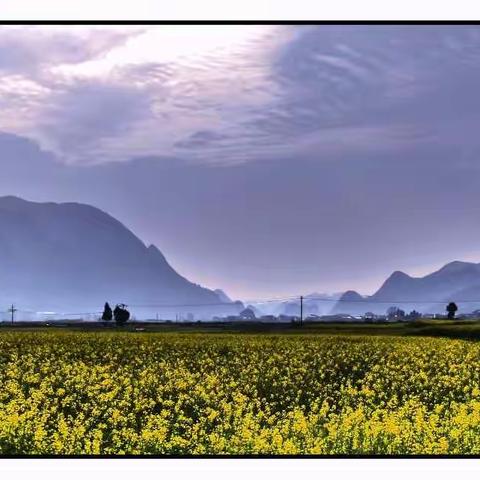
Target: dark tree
<point>107,315</point>
<point>451,309</point>
<point>121,314</point>
<point>394,313</point>
<point>247,314</point>
<point>414,315</point>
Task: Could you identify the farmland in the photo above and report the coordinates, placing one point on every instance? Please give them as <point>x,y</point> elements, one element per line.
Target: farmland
<point>73,392</point>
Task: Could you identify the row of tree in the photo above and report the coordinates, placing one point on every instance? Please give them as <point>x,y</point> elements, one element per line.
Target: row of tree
<point>120,314</point>
<point>395,312</point>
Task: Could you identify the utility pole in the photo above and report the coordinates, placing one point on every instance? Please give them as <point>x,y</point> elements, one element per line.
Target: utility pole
<point>12,310</point>
<point>301,310</point>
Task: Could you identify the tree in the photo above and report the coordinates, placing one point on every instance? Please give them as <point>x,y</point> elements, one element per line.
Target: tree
<point>451,309</point>
<point>107,315</point>
<point>247,314</point>
<point>394,313</point>
<point>414,315</point>
<point>121,314</point>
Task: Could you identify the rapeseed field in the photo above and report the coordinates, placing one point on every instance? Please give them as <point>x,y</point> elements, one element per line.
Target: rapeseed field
<point>122,393</point>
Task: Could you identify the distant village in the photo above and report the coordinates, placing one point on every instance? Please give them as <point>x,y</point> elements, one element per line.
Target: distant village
<point>393,314</point>
<point>246,315</point>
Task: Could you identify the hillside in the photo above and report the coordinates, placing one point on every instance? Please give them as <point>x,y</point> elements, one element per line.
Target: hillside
<point>456,281</point>
<point>73,257</point>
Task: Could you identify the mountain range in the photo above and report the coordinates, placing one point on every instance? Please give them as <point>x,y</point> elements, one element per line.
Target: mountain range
<point>71,257</point>
<point>313,304</point>
<point>456,281</point>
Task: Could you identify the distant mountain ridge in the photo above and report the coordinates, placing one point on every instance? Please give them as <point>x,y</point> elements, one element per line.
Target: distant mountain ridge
<point>313,304</point>
<point>456,281</point>
<point>74,257</point>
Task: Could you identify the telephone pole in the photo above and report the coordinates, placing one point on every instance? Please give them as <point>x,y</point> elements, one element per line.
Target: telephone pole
<point>12,310</point>
<point>301,310</point>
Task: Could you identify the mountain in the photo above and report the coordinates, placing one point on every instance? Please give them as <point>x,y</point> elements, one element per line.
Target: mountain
<point>222,296</point>
<point>456,281</point>
<point>313,303</point>
<point>71,257</point>
<point>351,303</point>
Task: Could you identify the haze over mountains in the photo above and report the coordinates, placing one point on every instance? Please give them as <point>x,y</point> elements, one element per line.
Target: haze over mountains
<point>313,304</point>
<point>71,257</point>
<point>456,281</point>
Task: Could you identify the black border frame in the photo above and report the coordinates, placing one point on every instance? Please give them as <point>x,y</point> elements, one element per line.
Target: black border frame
<point>240,22</point>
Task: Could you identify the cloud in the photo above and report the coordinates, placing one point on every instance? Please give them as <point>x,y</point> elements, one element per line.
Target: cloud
<point>352,151</point>
<point>35,99</point>
<point>201,139</point>
<point>79,119</point>
<point>336,76</point>
<point>25,50</point>
<point>113,94</point>
<point>70,108</point>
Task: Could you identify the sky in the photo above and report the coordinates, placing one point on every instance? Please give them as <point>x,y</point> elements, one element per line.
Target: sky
<point>266,160</point>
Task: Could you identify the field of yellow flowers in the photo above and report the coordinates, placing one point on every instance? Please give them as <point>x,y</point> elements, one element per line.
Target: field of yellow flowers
<point>184,393</point>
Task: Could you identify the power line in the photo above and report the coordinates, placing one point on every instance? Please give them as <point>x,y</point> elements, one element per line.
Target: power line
<point>299,299</point>
<point>176,305</point>
<point>367,300</point>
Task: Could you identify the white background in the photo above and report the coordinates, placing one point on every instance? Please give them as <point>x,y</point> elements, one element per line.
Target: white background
<point>240,9</point>
<point>235,469</point>
<point>232,469</point>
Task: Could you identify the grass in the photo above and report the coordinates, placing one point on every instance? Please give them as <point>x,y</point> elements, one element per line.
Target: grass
<point>462,329</point>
